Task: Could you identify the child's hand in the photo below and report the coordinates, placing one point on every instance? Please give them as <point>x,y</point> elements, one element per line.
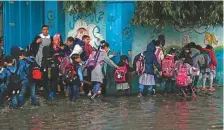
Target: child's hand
<point>62,47</point>
<point>82,84</point>
<point>160,73</point>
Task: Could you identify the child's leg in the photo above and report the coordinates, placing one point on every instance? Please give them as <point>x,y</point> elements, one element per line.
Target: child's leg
<point>25,83</point>
<point>150,87</point>
<point>33,93</point>
<point>204,77</point>
<point>75,92</point>
<point>14,101</point>
<point>140,89</point>
<point>97,88</point>
<point>211,77</point>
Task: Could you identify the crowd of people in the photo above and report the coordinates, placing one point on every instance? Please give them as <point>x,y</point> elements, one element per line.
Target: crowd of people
<point>54,67</point>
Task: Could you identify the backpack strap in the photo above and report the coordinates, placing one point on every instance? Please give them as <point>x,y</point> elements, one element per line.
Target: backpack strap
<point>17,68</point>
<point>30,62</point>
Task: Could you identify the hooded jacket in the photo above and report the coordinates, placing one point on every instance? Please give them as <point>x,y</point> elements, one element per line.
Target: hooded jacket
<point>150,59</point>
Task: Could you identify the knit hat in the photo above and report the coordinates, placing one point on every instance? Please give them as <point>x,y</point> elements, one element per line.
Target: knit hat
<point>15,51</point>
<point>9,59</point>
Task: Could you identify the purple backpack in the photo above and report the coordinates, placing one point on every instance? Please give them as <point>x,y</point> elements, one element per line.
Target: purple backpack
<point>92,61</point>
<point>66,65</point>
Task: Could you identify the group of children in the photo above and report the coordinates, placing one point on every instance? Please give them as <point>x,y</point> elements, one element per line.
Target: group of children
<point>49,64</point>
<point>178,70</point>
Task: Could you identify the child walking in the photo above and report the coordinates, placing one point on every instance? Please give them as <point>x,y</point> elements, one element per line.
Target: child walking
<point>77,81</point>
<point>29,81</point>
<point>123,63</point>
<point>7,73</point>
<point>97,75</point>
<point>147,78</point>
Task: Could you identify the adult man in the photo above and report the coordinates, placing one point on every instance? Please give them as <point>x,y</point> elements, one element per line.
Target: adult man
<point>46,39</point>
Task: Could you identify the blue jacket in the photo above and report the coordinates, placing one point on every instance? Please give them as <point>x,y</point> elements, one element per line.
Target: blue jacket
<point>150,59</point>
<point>5,74</point>
<point>27,68</point>
<point>23,69</point>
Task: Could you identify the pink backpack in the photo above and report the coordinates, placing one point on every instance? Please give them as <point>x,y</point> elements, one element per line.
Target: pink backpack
<point>120,74</point>
<point>65,65</point>
<point>157,55</point>
<point>183,78</point>
<point>140,64</point>
<point>168,66</point>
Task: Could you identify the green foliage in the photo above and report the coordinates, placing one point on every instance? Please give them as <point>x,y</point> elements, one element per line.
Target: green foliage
<point>180,13</point>
<point>73,7</point>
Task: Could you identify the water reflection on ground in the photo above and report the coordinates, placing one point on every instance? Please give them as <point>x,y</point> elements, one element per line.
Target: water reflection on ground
<point>158,112</point>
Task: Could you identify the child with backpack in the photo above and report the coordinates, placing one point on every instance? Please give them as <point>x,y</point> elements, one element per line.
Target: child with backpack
<point>209,71</point>
<point>121,74</point>
<point>13,80</point>
<point>168,70</point>
<point>97,75</point>
<point>77,77</point>
<point>147,77</point>
<point>32,74</point>
<point>185,75</point>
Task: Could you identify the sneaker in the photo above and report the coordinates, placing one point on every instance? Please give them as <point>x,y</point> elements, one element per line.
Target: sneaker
<point>89,94</point>
<point>94,95</point>
<point>212,89</point>
<point>153,91</point>
<point>139,95</point>
<point>204,89</point>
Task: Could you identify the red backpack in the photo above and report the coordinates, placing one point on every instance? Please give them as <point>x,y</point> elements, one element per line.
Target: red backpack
<point>183,78</point>
<point>120,74</point>
<point>168,66</point>
<point>140,64</point>
<point>157,55</point>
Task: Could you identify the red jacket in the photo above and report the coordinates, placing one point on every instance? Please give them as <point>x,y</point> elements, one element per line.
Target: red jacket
<point>88,49</point>
<point>213,58</point>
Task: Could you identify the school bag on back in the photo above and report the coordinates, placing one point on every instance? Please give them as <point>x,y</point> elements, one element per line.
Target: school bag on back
<point>168,66</point>
<point>157,55</point>
<point>204,60</point>
<point>183,78</point>
<point>93,58</point>
<point>34,71</point>
<point>140,64</point>
<point>66,69</point>
<point>120,74</point>
<point>15,83</point>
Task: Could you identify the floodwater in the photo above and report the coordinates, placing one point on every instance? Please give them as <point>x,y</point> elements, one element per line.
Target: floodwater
<point>159,112</point>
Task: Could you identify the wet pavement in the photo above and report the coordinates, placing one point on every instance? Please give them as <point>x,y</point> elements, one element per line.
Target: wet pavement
<point>159,112</point>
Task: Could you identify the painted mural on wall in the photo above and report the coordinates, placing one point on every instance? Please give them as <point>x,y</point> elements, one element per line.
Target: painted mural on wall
<point>93,24</point>
<point>176,37</point>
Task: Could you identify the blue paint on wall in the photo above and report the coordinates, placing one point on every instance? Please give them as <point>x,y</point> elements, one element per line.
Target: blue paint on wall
<point>22,20</point>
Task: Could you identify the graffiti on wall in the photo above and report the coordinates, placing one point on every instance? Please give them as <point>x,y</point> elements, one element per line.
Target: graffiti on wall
<point>95,17</point>
<point>82,28</point>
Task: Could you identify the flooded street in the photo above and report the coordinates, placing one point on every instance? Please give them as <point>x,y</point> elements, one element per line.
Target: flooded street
<point>158,112</point>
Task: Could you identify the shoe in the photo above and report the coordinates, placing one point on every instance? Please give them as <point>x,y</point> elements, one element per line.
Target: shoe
<point>204,89</point>
<point>212,89</point>
<point>139,95</point>
<point>94,95</point>
<point>99,92</point>
<point>89,94</point>
<point>153,91</point>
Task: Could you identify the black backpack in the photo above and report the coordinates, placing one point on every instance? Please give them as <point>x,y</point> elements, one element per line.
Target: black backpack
<point>15,83</point>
